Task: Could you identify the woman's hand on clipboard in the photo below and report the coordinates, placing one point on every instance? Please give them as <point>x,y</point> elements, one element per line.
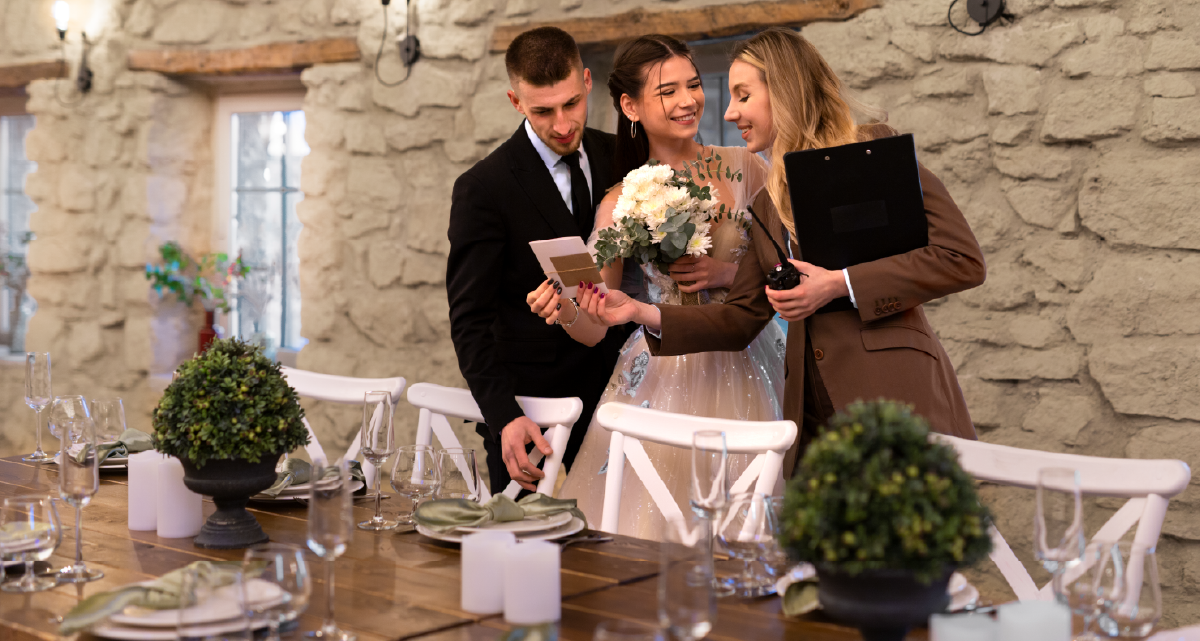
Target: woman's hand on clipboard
<point>814,291</point>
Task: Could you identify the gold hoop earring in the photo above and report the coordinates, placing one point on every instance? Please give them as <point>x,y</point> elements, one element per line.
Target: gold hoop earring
<point>633,129</point>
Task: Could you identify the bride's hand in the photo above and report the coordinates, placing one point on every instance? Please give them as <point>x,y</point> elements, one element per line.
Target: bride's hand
<point>704,272</point>
<point>545,302</point>
<point>613,308</point>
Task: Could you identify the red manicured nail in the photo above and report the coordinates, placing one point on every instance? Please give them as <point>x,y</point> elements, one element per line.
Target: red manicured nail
<point>601,295</point>
<point>778,264</point>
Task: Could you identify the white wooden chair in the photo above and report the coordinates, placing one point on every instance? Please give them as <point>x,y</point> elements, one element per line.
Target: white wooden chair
<point>436,403</point>
<point>1148,484</point>
<point>631,424</point>
<point>345,390</point>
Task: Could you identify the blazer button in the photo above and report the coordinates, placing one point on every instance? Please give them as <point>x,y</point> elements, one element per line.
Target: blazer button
<point>818,354</point>
<point>878,312</point>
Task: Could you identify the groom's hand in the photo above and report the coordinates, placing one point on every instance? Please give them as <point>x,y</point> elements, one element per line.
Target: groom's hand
<point>513,438</point>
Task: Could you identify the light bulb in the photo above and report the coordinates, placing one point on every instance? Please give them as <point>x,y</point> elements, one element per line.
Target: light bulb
<point>62,15</point>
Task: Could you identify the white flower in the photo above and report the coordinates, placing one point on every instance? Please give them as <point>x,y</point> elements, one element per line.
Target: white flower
<point>657,237</point>
<point>698,245</point>
<point>623,207</point>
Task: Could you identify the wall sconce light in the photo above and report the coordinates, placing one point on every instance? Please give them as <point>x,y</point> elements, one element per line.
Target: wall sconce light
<point>62,17</point>
<point>410,46</point>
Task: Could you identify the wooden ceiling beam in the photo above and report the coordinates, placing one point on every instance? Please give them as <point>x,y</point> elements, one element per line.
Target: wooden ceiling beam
<point>274,58</point>
<point>19,75</point>
<point>691,24</point>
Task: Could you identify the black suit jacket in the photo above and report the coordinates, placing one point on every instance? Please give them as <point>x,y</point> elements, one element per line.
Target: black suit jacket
<point>504,350</point>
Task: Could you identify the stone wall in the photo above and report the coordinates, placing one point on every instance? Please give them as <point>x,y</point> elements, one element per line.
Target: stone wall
<point>1069,139</point>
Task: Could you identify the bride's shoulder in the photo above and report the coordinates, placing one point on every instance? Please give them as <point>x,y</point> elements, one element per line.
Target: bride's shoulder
<point>741,157</point>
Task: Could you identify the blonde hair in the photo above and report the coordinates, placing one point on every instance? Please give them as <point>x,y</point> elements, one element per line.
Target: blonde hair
<point>809,107</point>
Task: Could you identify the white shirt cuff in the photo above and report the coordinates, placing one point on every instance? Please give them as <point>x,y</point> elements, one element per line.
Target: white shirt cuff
<point>657,333</point>
<point>846,275</point>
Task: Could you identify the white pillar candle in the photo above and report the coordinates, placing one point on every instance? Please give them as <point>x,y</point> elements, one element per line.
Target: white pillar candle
<point>532,583</point>
<point>483,555</point>
<point>1034,621</point>
<point>143,490</point>
<point>962,627</point>
<point>180,513</point>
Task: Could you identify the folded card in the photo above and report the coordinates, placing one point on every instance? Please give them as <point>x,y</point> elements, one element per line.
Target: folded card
<point>568,261</point>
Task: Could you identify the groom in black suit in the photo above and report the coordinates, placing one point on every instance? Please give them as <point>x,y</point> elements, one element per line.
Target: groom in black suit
<point>544,182</point>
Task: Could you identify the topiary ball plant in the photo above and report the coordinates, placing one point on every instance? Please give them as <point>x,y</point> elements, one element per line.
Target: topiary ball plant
<point>873,493</point>
<point>231,402</point>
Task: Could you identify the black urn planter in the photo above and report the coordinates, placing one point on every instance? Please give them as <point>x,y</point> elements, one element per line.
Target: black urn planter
<point>230,483</point>
<point>882,604</point>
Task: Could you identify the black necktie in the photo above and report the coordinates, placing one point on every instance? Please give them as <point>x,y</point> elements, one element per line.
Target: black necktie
<point>581,199</point>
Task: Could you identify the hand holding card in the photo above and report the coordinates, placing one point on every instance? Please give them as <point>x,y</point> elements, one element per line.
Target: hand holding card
<point>568,261</point>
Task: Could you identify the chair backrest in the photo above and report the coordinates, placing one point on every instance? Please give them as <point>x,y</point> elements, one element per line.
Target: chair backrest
<point>631,424</point>
<point>345,390</point>
<point>436,403</point>
<point>1149,485</point>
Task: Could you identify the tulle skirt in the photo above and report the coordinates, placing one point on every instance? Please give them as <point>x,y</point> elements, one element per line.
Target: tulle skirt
<point>745,385</point>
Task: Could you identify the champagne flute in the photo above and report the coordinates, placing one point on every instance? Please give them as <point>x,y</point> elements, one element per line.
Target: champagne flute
<point>378,443</point>
<point>1058,524</point>
<point>109,416</point>
<point>687,604</point>
<point>458,474</point>
<point>1136,603</point>
<point>415,475</point>
<point>281,567</point>
<point>37,396</point>
<point>78,473</point>
<point>330,529</point>
<point>710,473</point>
<point>29,531</point>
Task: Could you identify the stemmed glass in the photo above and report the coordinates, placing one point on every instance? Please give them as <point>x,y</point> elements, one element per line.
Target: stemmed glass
<point>330,529</point>
<point>687,604</point>
<point>283,567</point>
<point>1136,603</point>
<point>710,474</point>
<point>378,443</point>
<point>204,597</point>
<point>1086,586</point>
<point>37,396</point>
<point>78,473</point>
<point>109,416</point>
<point>1058,525</point>
<point>415,475</point>
<point>29,530</point>
<point>458,474</point>
<point>745,532</point>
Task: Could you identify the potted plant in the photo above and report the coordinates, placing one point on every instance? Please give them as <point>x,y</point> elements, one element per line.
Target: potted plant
<point>886,516</point>
<point>207,277</point>
<point>228,416</point>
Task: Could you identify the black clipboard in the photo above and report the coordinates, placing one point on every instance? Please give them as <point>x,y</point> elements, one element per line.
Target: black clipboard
<point>856,203</point>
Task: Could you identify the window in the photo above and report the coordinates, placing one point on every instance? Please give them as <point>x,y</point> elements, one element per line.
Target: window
<point>259,148</point>
<point>714,130</point>
<point>15,208</point>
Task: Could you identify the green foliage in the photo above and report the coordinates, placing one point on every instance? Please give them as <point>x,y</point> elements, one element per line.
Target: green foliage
<point>186,277</point>
<point>230,402</point>
<point>873,493</point>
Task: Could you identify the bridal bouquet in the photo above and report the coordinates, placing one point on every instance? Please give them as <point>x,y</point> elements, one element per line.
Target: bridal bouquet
<point>663,214</point>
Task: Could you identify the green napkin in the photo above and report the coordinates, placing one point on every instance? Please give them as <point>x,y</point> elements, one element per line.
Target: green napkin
<point>800,598</point>
<point>129,442</point>
<point>543,632</point>
<point>298,472</point>
<point>443,515</point>
<point>159,594</point>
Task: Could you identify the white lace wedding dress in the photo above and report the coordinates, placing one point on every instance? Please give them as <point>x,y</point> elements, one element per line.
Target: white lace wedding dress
<point>746,385</point>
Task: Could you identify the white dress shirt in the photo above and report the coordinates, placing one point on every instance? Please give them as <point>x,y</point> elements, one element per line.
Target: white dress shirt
<point>559,170</point>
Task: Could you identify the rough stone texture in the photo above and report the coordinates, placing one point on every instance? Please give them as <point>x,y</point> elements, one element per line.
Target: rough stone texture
<point>1069,139</point>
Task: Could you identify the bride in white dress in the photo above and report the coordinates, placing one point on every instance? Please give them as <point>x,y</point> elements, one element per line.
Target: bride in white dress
<point>657,90</point>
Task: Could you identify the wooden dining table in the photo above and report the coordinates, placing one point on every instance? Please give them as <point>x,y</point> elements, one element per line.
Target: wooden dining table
<point>389,585</point>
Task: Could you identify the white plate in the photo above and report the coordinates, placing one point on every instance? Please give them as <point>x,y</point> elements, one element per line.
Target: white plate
<point>112,461</point>
<point>221,608</point>
<point>530,524</point>
<point>113,631</point>
<point>575,525</point>
<point>288,495</point>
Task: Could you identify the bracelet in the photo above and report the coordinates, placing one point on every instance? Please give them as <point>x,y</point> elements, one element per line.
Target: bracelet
<point>573,320</point>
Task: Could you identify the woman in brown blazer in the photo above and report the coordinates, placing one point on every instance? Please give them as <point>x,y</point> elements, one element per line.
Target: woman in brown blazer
<point>785,97</point>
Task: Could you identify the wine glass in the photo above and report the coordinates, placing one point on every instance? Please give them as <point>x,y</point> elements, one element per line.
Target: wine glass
<point>280,587</point>
<point>109,416</point>
<point>1136,603</point>
<point>622,630</point>
<point>1085,586</point>
<point>775,559</point>
<point>378,443</point>
<point>745,532</point>
<point>330,529</point>
<point>415,475</point>
<point>687,604</point>
<point>1058,524</point>
<point>710,473</point>
<point>458,474</point>
<point>37,396</point>
<point>212,607</point>
<point>29,531</point>
<point>78,473</point>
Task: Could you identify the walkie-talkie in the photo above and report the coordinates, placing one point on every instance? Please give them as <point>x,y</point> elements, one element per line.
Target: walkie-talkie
<point>785,275</point>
